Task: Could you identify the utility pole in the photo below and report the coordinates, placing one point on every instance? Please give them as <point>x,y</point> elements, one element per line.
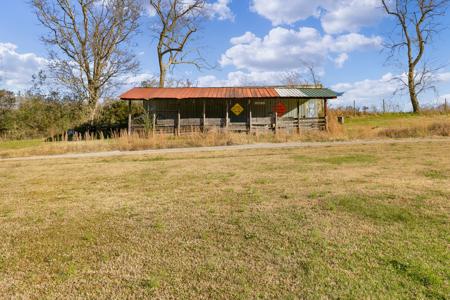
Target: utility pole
<point>384,106</point>
<point>445,105</point>
<point>354,107</point>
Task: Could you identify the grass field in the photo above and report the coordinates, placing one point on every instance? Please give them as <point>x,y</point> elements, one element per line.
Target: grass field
<point>380,125</point>
<point>335,222</point>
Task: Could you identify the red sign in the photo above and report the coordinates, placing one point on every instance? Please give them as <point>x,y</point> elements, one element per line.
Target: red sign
<point>280,109</point>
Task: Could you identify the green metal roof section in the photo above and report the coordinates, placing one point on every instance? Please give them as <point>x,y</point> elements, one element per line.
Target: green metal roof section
<point>319,93</point>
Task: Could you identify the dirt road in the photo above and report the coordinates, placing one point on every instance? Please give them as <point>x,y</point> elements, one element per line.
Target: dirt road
<point>229,148</point>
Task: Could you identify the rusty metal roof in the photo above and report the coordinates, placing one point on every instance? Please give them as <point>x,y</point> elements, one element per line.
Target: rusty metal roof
<point>226,93</point>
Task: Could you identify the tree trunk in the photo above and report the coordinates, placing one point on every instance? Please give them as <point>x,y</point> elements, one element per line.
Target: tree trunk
<point>162,79</point>
<point>93,104</point>
<point>412,91</point>
<point>93,113</point>
<point>162,72</point>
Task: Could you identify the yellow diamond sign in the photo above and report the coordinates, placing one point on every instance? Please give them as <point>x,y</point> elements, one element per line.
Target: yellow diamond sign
<point>237,109</point>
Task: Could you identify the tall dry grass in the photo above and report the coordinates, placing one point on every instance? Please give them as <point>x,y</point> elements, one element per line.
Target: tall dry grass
<point>336,132</point>
<point>434,129</point>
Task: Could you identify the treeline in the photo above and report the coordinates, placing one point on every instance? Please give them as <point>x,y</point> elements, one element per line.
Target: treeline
<point>50,116</point>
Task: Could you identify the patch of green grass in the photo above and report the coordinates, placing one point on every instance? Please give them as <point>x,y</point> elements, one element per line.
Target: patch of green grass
<point>302,158</point>
<point>150,283</point>
<point>436,174</point>
<point>88,237</point>
<point>262,181</point>
<point>417,273</point>
<point>349,159</point>
<point>19,144</point>
<point>317,195</point>
<point>159,226</point>
<point>369,208</point>
<point>338,159</point>
<point>381,119</point>
<point>67,272</point>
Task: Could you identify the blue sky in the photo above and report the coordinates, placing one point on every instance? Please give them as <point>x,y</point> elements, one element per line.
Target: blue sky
<point>255,42</point>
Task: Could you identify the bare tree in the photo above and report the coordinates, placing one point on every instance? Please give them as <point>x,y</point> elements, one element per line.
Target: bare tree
<point>89,43</point>
<point>171,82</point>
<point>312,76</point>
<point>178,22</point>
<point>308,76</point>
<point>417,21</point>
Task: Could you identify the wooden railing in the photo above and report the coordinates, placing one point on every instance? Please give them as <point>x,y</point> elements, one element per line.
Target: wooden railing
<point>173,125</point>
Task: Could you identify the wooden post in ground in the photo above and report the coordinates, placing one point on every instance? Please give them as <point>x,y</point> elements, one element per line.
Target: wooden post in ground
<point>129,117</point>
<point>354,107</point>
<point>227,123</point>
<point>445,105</point>
<point>384,106</point>
<point>298,116</point>
<point>204,117</point>
<point>178,119</point>
<point>276,122</point>
<point>249,121</point>
<point>325,112</point>
<point>154,123</point>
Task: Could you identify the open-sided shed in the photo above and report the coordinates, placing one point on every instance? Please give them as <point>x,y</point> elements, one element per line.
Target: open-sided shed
<point>181,110</point>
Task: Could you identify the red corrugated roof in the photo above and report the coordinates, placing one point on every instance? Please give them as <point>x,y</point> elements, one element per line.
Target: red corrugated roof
<point>229,93</point>
<point>199,93</point>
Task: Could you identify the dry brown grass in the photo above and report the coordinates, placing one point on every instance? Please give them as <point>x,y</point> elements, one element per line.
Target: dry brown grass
<point>364,127</point>
<point>138,142</point>
<point>434,129</point>
<point>397,126</point>
<point>338,222</point>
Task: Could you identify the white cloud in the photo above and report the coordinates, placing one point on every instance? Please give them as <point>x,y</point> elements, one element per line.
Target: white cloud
<point>351,16</point>
<point>247,38</point>
<point>288,11</point>
<point>16,69</point>
<point>443,77</point>
<point>220,10</point>
<point>337,16</point>
<point>368,91</point>
<point>340,60</point>
<point>137,79</point>
<point>355,41</point>
<point>287,49</point>
<point>371,92</point>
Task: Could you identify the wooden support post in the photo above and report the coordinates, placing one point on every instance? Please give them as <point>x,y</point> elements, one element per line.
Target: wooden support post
<point>325,112</point>
<point>227,117</point>
<point>153,123</point>
<point>276,122</point>
<point>298,116</point>
<point>204,117</point>
<point>129,117</point>
<point>250,125</point>
<point>178,119</point>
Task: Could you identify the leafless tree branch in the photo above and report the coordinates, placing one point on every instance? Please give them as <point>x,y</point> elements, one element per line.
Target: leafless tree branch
<point>179,21</point>
<point>417,21</point>
<point>89,42</point>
